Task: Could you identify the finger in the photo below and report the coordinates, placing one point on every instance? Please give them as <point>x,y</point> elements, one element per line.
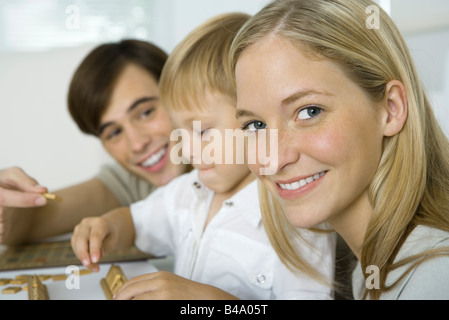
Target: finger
<point>19,199</point>
<point>2,225</point>
<point>149,295</point>
<point>80,244</point>
<point>146,283</point>
<point>95,267</point>
<point>97,236</point>
<point>146,276</point>
<point>16,178</point>
<point>134,289</point>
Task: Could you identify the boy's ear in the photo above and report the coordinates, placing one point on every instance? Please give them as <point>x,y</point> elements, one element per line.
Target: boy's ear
<point>396,106</point>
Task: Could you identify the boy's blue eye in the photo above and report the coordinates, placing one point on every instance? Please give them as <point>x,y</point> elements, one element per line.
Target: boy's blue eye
<point>309,112</point>
<point>146,112</point>
<point>254,126</point>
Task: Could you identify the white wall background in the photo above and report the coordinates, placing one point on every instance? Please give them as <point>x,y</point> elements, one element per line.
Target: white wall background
<point>36,131</point>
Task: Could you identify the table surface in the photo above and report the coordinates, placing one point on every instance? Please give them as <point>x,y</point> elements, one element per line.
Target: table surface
<point>89,284</point>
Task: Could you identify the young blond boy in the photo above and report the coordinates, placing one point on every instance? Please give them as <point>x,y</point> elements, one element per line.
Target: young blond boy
<point>209,219</point>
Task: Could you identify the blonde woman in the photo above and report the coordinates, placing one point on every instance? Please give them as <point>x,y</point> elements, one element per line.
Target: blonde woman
<point>359,146</point>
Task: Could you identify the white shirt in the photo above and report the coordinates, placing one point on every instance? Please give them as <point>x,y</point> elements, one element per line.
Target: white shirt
<point>233,252</point>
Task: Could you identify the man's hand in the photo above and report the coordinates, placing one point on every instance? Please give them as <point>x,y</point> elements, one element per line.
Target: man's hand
<point>18,190</point>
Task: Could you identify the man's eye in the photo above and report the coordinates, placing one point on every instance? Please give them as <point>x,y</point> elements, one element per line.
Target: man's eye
<point>309,112</point>
<point>112,134</point>
<point>254,126</point>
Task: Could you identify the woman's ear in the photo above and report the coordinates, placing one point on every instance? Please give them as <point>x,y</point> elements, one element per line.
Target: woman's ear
<point>396,106</point>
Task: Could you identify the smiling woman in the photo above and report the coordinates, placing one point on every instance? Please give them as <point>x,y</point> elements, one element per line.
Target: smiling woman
<point>367,156</point>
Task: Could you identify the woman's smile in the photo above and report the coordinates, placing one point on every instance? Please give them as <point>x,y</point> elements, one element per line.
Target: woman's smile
<point>298,187</point>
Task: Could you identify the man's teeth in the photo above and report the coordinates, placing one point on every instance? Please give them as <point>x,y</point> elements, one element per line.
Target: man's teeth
<point>302,182</point>
<point>155,158</point>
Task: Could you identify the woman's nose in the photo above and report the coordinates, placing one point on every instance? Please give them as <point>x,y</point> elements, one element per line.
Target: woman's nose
<point>288,148</point>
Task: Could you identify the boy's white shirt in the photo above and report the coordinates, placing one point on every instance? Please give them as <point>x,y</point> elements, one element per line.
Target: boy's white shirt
<point>233,252</point>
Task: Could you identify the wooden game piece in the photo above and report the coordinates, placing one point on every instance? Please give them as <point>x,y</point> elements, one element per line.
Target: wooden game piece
<point>4,282</point>
<point>51,196</point>
<point>19,281</point>
<point>11,290</point>
<point>37,290</point>
<point>114,280</point>
<point>43,277</point>
<point>59,277</point>
<point>85,271</point>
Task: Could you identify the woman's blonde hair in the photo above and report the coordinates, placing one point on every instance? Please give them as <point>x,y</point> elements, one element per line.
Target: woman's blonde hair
<point>199,63</point>
<point>411,186</point>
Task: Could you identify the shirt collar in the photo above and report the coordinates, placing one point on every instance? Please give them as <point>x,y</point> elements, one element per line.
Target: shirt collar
<point>250,209</point>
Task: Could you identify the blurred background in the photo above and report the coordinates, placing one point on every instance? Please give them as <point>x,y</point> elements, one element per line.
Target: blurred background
<point>43,41</point>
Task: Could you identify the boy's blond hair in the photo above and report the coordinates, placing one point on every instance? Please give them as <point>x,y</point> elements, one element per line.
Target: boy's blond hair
<point>199,64</point>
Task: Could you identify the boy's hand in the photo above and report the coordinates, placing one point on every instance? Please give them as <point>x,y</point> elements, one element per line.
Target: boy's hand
<point>164,285</point>
<point>91,238</point>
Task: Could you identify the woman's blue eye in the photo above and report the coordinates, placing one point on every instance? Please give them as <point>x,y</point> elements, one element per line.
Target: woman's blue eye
<point>254,126</point>
<point>309,112</point>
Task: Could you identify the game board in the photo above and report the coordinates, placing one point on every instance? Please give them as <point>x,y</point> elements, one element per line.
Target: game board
<point>56,254</point>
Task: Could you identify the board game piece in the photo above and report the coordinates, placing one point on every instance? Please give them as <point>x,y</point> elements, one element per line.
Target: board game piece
<point>114,280</point>
<point>37,290</point>
<point>85,271</point>
<point>19,281</point>
<point>59,277</point>
<point>43,277</point>
<point>11,290</point>
<point>4,282</point>
<point>51,196</point>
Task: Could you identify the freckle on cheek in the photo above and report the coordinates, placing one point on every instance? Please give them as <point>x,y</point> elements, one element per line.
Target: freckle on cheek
<point>328,144</point>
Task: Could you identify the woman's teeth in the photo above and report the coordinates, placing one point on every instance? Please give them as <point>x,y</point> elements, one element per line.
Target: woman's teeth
<point>155,158</point>
<point>302,182</point>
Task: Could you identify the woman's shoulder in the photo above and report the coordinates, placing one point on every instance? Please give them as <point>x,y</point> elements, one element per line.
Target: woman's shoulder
<point>423,238</point>
<point>429,279</point>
